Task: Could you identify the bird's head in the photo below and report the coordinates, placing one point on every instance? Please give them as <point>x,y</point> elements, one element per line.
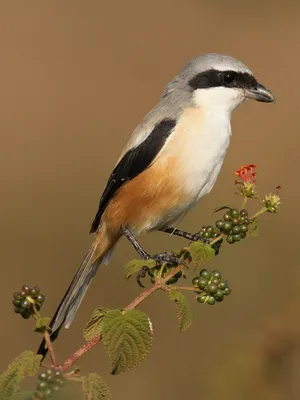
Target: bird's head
<point>222,82</point>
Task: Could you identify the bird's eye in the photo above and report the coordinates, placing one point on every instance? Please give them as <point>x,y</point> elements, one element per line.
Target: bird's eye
<point>228,77</point>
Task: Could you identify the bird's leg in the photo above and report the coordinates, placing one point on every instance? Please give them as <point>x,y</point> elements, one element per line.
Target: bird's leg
<point>167,257</point>
<point>193,237</point>
<point>141,252</point>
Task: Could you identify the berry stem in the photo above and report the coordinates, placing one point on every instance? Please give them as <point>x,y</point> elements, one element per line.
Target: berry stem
<point>191,288</point>
<point>244,202</point>
<point>261,211</point>
<point>217,239</point>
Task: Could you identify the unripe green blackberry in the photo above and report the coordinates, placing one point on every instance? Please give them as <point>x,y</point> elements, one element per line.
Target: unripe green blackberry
<point>34,292</point>
<point>17,296</point>
<point>216,274</point>
<point>227,217</point>
<point>172,280</point>
<point>211,288</point>
<point>236,229</point>
<point>219,295</point>
<point>196,280</point>
<point>48,392</point>
<point>40,299</point>
<point>227,291</point>
<point>227,227</point>
<point>202,298</point>
<point>247,221</point>
<point>244,228</point>
<point>207,235</point>
<point>42,376</point>
<point>237,237</point>
<point>220,224</point>
<point>234,213</point>
<point>203,282</point>
<point>211,300</point>
<point>26,314</point>
<point>16,302</point>
<point>223,285</point>
<point>205,274</point>
<point>25,304</point>
<point>235,221</point>
<point>230,239</point>
<point>42,385</point>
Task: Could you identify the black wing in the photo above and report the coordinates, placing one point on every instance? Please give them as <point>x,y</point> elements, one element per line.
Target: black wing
<point>135,161</point>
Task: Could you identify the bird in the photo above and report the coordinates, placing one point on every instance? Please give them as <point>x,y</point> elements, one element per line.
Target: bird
<point>171,160</point>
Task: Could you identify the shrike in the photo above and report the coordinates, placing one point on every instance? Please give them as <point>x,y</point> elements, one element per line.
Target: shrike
<point>171,161</point>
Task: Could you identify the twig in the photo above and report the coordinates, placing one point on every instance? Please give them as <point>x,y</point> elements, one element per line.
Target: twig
<point>50,349</point>
<point>80,352</point>
<point>143,296</point>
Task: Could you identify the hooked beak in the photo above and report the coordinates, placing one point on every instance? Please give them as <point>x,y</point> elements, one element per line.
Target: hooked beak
<point>260,93</point>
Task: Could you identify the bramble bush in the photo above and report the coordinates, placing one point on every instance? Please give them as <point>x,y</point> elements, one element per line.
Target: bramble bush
<point>126,333</point>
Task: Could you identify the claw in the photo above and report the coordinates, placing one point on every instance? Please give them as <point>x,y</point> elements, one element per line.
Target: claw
<point>141,274</point>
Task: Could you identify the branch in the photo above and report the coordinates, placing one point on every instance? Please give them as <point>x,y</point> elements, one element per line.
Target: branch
<point>159,285</point>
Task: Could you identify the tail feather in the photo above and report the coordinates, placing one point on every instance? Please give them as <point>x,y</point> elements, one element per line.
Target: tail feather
<point>73,297</point>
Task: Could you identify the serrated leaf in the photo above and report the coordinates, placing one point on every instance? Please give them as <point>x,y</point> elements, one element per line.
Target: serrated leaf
<point>23,395</point>
<point>94,388</point>
<point>41,324</point>
<point>31,362</point>
<point>222,208</point>
<point>93,327</point>
<point>183,310</point>
<point>201,253</point>
<point>10,380</point>
<point>134,266</point>
<point>126,337</point>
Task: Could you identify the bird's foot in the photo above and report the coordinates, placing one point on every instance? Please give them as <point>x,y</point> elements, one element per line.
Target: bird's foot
<point>167,257</point>
<point>141,274</point>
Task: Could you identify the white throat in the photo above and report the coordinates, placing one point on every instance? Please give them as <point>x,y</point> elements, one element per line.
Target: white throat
<point>218,100</point>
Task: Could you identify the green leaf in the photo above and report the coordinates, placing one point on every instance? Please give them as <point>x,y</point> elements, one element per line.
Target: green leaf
<point>127,338</point>
<point>253,231</point>
<point>23,395</point>
<point>134,266</point>
<point>201,253</point>
<point>183,310</point>
<point>222,208</point>
<point>10,380</point>
<point>94,388</point>
<point>31,362</point>
<point>93,327</point>
<point>42,324</point>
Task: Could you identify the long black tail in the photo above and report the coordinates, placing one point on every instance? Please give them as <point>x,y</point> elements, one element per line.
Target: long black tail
<point>73,297</point>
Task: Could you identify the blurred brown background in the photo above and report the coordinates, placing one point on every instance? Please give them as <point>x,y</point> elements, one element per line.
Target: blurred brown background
<point>76,78</point>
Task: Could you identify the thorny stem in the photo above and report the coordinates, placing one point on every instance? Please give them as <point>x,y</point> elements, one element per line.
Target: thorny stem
<point>80,352</point>
<point>159,285</point>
